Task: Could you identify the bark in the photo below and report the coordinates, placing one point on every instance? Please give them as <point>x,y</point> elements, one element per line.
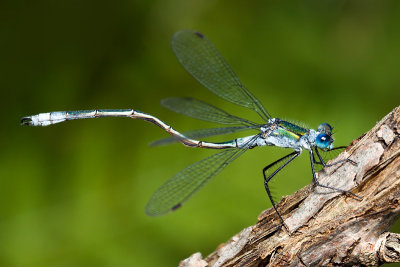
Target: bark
<point>329,228</point>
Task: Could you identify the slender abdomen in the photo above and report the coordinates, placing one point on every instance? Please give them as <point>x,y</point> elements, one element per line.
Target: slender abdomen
<point>45,119</point>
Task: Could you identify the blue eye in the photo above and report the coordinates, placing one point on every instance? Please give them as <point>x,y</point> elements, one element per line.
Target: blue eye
<point>323,141</point>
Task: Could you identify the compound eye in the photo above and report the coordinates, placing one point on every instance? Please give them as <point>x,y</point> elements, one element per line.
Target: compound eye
<point>323,141</point>
<point>325,128</point>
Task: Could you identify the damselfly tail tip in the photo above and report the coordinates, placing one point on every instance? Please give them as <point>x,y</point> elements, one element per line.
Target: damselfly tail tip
<point>26,121</point>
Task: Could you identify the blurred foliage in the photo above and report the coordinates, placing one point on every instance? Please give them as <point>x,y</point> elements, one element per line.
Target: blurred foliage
<point>74,194</point>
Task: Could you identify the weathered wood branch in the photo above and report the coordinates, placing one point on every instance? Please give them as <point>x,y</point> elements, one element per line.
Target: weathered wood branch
<point>329,228</point>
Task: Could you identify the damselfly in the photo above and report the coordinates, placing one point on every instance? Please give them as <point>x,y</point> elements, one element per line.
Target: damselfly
<point>202,60</point>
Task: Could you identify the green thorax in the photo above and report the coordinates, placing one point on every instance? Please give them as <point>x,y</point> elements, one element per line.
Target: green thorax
<point>290,130</point>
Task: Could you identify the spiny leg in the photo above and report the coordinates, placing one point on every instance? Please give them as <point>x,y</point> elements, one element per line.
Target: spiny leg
<point>326,186</point>
<point>322,162</point>
<point>291,157</point>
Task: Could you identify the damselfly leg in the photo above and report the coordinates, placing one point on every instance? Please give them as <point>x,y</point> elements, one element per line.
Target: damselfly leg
<point>322,162</point>
<point>312,160</point>
<point>286,160</point>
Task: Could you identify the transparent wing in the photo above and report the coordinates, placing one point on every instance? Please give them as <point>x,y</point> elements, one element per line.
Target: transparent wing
<point>203,61</point>
<point>201,110</point>
<point>202,133</point>
<point>183,185</point>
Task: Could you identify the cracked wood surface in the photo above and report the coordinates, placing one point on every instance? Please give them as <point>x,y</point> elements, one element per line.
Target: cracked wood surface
<point>330,228</point>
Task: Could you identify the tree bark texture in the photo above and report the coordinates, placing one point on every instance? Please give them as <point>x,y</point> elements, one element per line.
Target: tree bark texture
<point>329,228</point>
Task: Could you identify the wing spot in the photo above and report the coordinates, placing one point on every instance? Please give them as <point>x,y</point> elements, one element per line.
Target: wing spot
<point>177,206</point>
<point>199,34</point>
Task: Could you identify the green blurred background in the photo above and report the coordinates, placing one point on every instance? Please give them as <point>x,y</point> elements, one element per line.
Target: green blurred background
<point>74,194</point>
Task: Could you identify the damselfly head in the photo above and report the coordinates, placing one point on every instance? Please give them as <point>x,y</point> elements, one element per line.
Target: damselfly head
<point>324,138</point>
